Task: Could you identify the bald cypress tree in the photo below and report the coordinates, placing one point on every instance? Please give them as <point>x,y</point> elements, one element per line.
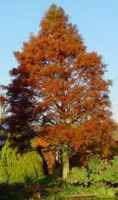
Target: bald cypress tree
<point>61,86</point>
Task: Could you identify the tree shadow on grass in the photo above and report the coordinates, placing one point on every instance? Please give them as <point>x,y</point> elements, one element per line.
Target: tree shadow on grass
<point>20,191</point>
<point>13,192</point>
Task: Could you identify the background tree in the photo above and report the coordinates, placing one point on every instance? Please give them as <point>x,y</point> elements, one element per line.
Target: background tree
<point>4,112</point>
<point>21,103</point>
<point>61,86</point>
<point>3,105</point>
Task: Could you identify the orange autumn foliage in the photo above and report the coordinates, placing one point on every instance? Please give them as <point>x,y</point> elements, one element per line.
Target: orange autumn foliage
<point>40,142</point>
<point>61,86</point>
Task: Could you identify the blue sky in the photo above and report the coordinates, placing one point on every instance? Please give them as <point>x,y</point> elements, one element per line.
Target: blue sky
<point>97,21</point>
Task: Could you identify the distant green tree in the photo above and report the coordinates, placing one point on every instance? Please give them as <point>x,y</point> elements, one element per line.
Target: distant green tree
<point>17,168</point>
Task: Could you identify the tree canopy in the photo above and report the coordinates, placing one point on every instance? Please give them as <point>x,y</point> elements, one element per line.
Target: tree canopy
<point>60,86</point>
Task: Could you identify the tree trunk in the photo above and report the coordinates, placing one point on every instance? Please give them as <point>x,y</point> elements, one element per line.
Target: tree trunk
<point>49,157</point>
<point>65,162</point>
